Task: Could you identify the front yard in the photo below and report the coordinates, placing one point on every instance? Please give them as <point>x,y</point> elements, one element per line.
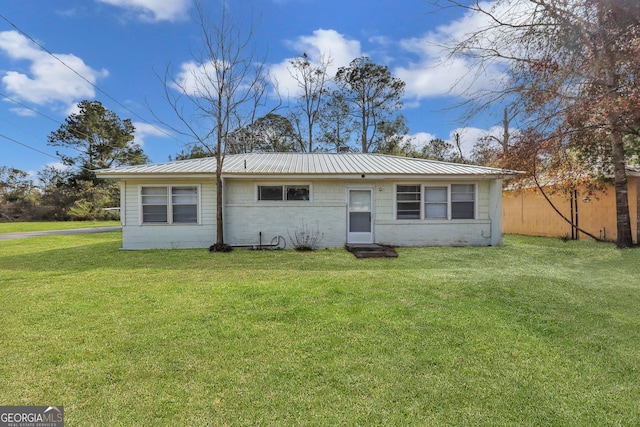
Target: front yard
<point>537,332</point>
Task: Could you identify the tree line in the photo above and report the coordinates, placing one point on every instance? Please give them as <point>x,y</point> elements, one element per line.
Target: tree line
<point>99,139</point>
<point>568,76</point>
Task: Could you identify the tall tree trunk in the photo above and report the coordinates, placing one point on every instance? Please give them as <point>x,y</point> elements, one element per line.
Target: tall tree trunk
<point>625,239</point>
<point>219,210</point>
<point>219,160</point>
<point>637,211</point>
<point>364,133</point>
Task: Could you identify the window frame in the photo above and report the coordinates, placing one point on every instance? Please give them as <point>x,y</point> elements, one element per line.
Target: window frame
<point>423,202</point>
<point>447,202</point>
<point>170,204</point>
<point>452,202</point>
<point>284,192</point>
<point>417,201</point>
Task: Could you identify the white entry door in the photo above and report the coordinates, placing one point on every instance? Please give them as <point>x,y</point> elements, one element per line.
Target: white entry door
<point>359,221</point>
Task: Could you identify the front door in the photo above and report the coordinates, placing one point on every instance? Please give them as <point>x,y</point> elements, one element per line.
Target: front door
<point>359,220</point>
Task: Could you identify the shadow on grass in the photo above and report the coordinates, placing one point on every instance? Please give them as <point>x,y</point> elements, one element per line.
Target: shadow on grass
<point>102,252</point>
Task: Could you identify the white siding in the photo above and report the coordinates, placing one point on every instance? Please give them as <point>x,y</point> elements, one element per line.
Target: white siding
<point>167,236</point>
<point>420,232</point>
<point>327,212</point>
<point>246,217</point>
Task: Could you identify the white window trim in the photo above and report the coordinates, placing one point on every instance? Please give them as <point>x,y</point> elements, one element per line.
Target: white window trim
<point>284,185</point>
<point>395,201</point>
<point>475,201</point>
<point>423,211</point>
<point>422,201</point>
<point>169,188</point>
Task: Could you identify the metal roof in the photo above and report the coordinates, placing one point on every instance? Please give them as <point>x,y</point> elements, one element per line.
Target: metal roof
<point>306,164</point>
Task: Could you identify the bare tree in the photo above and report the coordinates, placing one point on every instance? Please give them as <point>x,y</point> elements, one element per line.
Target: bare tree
<point>311,78</point>
<point>220,91</point>
<point>572,66</point>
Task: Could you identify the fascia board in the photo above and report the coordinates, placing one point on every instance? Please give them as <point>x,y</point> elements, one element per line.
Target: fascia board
<point>356,177</point>
<point>156,176</point>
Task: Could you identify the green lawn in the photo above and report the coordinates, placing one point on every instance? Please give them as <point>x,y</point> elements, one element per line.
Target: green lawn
<point>19,227</point>
<point>537,332</point>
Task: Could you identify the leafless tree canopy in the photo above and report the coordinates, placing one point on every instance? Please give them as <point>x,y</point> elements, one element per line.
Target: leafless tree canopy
<point>571,68</point>
<point>220,91</point>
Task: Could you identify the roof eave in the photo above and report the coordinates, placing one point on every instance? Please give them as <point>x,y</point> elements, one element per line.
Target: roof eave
<point>141,175</point>
<point>360,176</point>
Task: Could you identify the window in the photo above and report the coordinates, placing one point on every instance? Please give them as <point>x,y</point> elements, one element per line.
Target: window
<point>435,202</point>
<point>169,205</point>
<point>462,201</point>
<point>298,192</point>
<point>270,192</point>
<point>408,201</point>
<point>184,201</point>
<point>283,192</point>
<point>154,204</point>
<point>455,201</point>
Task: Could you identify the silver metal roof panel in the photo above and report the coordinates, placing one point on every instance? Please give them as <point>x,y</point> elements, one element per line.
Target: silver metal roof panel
<point>306,164</point>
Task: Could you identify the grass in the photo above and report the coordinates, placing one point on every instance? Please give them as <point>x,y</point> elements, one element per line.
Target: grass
<point>19,227</point>
<point>537,332</point>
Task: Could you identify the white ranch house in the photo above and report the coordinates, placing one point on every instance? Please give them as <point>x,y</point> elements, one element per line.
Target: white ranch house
<point>348,197</point>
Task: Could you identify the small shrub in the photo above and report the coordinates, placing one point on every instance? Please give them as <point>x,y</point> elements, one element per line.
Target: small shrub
<point>305,238</point>
<point>220,247</point>
<point>82,210</point>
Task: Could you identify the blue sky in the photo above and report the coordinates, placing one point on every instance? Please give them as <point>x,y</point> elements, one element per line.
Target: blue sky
<point>112,51</point>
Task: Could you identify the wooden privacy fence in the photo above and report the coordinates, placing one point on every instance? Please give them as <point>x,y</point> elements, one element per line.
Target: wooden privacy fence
<point>527,212</point>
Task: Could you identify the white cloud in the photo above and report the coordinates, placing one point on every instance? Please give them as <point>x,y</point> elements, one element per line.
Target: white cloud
<point>24,112</point>
<point>49,80</point>
<point>470,135</point>
<point>155,10</point>
<point>420,139</point>
<point>195,79</point>
<point>327,44</point>
<point>435,73</point>
<point>57,165</point>
<point>144,130</point>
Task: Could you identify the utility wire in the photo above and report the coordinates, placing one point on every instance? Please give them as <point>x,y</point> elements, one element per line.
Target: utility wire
<point>30,108</point>
<point>39,151</point>
<point>84,78</point>
<point>52,119</point>
<point>28,146</point>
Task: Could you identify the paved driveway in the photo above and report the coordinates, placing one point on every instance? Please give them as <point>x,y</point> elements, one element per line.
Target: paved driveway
<point>26,234</point>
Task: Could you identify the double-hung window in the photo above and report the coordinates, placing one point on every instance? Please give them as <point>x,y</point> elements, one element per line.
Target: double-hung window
<point>408,201</point>
<point>283,192</point>
<point>445,202</point>
<point>169,204</point>
<point>436,204</point>
<point>184,204</point>
<point>154,205</point>
<point>462,201</point>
